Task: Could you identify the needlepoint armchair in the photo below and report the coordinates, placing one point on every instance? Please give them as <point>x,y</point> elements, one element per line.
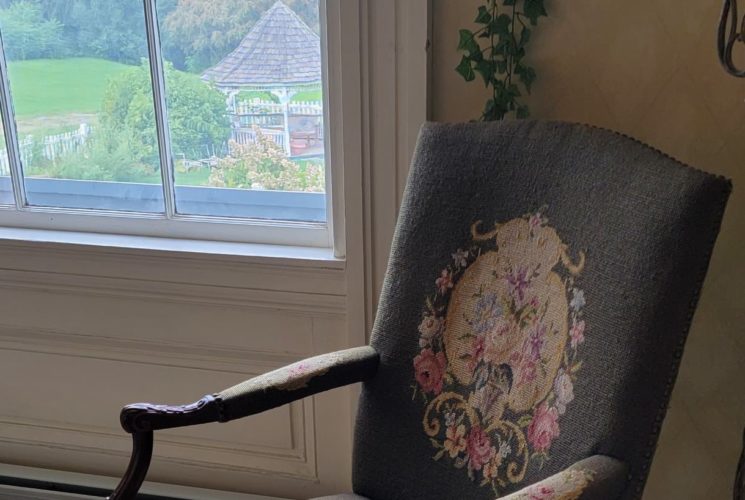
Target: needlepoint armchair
<point>540,287</point>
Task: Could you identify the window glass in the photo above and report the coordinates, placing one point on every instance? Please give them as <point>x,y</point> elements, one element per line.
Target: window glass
<point>6,189</point>
<point>81,88</point>
<point>245,108</point>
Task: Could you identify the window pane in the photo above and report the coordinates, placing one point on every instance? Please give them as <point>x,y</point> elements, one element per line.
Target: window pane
<point>83,103</point>
<point>243,87</point>
<point>6,188</point>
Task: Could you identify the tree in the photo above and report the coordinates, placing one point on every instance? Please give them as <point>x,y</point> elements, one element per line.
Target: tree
<point>26,34</point>
<point>110,29</point>
<point>198,33</point>
<point>196,112</point>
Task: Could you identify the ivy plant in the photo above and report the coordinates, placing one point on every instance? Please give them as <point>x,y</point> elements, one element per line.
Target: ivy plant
<point>496,51</point>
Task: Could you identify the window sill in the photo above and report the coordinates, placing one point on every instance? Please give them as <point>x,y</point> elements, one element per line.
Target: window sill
<point>222,273</point>
<point>281,255</point>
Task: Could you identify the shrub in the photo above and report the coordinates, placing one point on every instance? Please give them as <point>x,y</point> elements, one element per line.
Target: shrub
<point>103,158</point>
<point>264,165</point>
<point>197,115</point>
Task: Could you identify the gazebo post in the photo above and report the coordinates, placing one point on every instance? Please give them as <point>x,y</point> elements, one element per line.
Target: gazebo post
<point>284,98</point>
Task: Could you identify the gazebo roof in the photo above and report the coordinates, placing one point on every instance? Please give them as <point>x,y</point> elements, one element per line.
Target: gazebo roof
<point>279,51</point>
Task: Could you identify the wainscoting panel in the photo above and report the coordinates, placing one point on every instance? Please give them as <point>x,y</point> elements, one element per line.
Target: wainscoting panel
<point>76,346</point>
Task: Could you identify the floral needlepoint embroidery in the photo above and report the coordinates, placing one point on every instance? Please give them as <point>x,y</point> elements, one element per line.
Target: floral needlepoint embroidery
<point>499,341</point>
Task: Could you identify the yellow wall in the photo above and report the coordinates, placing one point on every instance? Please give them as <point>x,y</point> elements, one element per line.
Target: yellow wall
<point>649,68</point>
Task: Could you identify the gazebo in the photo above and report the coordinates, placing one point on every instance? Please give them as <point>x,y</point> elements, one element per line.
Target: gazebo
<point>280,54</point>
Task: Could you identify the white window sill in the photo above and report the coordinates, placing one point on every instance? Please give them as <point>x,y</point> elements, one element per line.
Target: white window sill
<point>245,253</point>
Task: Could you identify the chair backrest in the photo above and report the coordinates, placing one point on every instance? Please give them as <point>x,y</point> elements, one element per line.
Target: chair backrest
<point>541,284</point>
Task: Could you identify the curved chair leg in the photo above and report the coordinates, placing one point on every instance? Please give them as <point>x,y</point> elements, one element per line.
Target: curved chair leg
<point>142,452</point>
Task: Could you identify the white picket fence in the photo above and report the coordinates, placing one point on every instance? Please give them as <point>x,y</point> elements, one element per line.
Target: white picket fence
<point>52,147</point>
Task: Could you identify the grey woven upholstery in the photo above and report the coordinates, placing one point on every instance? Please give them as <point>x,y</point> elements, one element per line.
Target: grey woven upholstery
<point>541,284</point>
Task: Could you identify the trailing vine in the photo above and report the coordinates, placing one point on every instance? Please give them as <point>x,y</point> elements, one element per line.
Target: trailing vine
<point>505,31</point>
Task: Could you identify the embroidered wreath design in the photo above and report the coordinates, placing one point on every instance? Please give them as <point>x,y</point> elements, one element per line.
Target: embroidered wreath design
<point>499,341</point>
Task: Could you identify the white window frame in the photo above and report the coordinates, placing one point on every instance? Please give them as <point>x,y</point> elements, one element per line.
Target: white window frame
<point>173,225</point>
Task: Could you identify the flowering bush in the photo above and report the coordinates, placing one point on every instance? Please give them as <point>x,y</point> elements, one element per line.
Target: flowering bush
<point>264,165</point>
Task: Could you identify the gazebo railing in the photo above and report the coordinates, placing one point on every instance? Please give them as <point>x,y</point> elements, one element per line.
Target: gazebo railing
<point>247,135</point>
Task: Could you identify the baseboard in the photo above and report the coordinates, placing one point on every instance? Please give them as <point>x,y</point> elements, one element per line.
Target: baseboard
<point>21,482</point>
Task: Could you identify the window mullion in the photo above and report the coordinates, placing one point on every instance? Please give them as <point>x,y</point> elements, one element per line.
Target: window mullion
<point>157,73</point>
<point>11,133</point>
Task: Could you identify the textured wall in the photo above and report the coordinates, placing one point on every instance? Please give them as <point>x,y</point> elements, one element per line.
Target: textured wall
<point>649,68</point>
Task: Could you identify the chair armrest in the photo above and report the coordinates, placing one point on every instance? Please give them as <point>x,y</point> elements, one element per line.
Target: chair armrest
<point>267,391</point>
<point>595,478</point>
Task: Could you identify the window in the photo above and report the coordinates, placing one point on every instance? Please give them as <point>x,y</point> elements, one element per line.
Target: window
<point>185,118</point>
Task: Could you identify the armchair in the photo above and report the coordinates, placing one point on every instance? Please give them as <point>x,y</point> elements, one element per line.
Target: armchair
<point>541,284</point>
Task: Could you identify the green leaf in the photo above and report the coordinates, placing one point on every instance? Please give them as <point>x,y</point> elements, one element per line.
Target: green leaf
<point>483,16</point>
<point>522,112</point>
<point>524,421</point>
<point>467,42</point>
<point>486,70</point>
<point>527,76</point>
<point>503,47</point>
<point>501,25</point>
<point>465,70</point>
<point>494,111</point>
<point>509,3</point>
<point>534,9</point>
<point>524,37</point>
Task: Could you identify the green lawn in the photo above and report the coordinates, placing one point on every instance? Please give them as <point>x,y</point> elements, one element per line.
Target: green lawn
<point>59,86</point>
<point>54,87</point>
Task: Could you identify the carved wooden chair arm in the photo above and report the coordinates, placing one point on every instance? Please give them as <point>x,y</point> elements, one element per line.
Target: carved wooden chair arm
<point>595,477</point>
<point>256,395</point>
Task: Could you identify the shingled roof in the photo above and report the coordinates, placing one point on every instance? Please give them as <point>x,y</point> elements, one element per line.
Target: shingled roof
<point>279,51</point>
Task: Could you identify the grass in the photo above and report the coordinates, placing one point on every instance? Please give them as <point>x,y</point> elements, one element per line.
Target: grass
<point>308,95</point>
<point>44,87</point>
<point>54,87</point>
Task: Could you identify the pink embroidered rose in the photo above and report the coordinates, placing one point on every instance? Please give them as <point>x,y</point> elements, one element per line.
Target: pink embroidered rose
<point>539,492</point>
<point>564,389</point>
<point>429,328</point>
<point>430,370</point>
<point>544,428</point>
<point>444,282</point>
<point>480,449</point>
<point>455,440</point>
<point>577,333</point>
